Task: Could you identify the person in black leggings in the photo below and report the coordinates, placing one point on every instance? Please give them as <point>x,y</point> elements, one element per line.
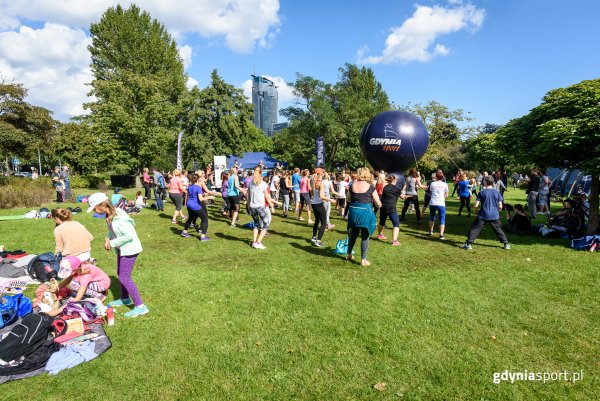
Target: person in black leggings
<point>197,208</point>
<point>318,207</point>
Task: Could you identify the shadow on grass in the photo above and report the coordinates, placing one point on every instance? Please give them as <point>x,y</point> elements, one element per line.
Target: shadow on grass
<point>231,238</point>
<point>325,251</point>
<point>114,290</point>
<point>286,235</point>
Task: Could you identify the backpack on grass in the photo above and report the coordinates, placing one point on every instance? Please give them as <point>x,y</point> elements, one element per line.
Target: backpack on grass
<point>43,267</point>
<point>26,336</point>
<point>26,347</point>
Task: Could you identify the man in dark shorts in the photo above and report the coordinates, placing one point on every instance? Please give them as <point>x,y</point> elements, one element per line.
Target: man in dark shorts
<point>490,201</point>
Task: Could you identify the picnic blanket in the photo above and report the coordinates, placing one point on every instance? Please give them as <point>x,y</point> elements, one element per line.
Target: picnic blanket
<point>88,350</point>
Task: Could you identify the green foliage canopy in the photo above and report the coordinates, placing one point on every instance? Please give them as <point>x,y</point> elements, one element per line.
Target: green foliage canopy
<point>139,82</point>
<point>337,112</point>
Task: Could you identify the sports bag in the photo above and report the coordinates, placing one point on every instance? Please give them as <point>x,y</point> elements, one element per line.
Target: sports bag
<point>26,336</point>
<point>43,267</point>
<point>341,248</point>
<point>13,307</point>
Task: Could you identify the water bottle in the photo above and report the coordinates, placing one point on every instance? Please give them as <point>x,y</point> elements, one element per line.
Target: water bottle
<point>110,316</point>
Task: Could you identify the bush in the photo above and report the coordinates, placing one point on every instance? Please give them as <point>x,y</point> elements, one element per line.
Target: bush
<point>88,181</point>
<point>25,192</point>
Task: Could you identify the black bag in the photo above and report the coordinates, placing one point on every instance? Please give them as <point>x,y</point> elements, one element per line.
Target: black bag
<point>26,336</point>
<point>43,267</point>
<point>34,361</point>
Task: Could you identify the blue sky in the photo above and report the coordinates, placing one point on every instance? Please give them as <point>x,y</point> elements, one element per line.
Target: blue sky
<point>495,59</point>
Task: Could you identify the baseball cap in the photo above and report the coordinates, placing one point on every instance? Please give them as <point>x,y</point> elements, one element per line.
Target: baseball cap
<point>67,265</point>
<point>96,199</point>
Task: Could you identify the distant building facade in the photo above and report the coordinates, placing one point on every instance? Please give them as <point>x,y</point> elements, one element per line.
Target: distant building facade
<point>279,126</point>
<point>264,99</point>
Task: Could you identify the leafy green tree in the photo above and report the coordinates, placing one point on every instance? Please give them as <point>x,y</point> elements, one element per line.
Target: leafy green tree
<point>85,152</point>
<point>218,121</point>
<point>483,151</point>
<point>444,135</point>
<point>24,128</point>
<point>139,83</point>
<point>337,112</point>
<point>564,130</point>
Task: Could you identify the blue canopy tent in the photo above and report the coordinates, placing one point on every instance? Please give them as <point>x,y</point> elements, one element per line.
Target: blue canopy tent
<point>251,159</point>
<point>566,182</point>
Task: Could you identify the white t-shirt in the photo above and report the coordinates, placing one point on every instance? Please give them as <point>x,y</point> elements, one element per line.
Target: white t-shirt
<point>439,189</point>
<point>257,194</point>
<point>185,181</point>
<point>342,185</point>
<point>274,181</point>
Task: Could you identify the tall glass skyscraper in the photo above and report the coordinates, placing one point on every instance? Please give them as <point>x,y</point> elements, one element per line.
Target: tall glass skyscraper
<point>264,99</point>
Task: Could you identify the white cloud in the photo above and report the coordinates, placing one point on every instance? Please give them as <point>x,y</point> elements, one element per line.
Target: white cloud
<point>185,52</point>
<point>284,91</point>
<point>53,64</point>
<point>415,39</point>
<point>191,82</point>
<point>243,23</point>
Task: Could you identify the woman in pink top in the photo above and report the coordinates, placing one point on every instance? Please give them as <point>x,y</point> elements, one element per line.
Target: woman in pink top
<point>305,196</point>
<point>146,183</point>
<point>84,280</point>
<point>176,191</point>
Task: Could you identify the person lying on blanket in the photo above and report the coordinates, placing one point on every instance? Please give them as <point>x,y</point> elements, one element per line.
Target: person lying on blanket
<point>84,280</point>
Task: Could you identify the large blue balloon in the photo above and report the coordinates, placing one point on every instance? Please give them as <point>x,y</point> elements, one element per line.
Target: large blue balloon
<point>394,140</point>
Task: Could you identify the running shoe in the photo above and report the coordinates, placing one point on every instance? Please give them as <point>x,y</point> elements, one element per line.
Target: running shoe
<point>311,222</point>
<point>233,226</point>
<point>318,244</point>
<point>185,235</point>
<point>313,239</point>
<point>120,302</point>
<point>430,233</point>
<point>173,221</point>
<point>259,246</point>
<point>396,243</point>
<point>204,239</point>
<point>137,311</point>
<point>331,226</point>
<point>442,237</point>
<point>467,247</point>
<point>506,246</point>
<point>381,237</point>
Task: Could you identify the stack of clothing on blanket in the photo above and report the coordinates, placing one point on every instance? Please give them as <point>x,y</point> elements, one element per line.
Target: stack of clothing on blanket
<point>13,270</point>
<point>61,328</point>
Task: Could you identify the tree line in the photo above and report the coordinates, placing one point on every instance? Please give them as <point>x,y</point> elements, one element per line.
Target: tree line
<point>139,102</point>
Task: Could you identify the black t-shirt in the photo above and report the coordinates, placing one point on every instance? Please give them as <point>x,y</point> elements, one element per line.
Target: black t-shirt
<point>534,184</point>
<point>521,222</point>
<point>283,187</point>
<point>389,198</point>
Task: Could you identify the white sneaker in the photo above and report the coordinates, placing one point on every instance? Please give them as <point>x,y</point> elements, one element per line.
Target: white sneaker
<point>259,246</point>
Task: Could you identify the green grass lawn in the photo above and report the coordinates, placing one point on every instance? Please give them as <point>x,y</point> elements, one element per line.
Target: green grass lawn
<point>292,322</point>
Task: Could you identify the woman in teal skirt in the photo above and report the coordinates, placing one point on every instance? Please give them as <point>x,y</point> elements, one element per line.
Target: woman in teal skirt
<point>361,218</point>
